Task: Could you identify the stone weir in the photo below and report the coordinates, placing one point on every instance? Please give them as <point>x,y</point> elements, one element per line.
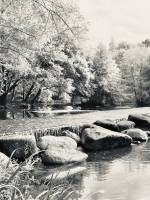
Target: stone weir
<point>58,131</point>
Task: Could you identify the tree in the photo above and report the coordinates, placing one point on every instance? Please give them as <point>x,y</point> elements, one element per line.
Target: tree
<point>146,43</point>
<point>26,26</point>
<point>69,66</point>
<point>134,66</point>
<point>106,78</point>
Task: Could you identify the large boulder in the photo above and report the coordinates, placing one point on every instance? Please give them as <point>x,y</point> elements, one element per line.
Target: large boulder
<point>98,138</point>
<point>59,155</point>
<point>108,124</point>
<point>140,120</point>
<point>71,135</point>
<point>21,146</point>
<point>47,142</point>
<point>124,124</point>
<point>137,134</point>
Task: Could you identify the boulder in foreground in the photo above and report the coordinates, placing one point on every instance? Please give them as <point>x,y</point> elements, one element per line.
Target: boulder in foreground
<point>140,120</point>
<point>98,138</point>
<point>137,134</point>
<point>22,146</point>
<point>47,142</point>
<point>54,156</point>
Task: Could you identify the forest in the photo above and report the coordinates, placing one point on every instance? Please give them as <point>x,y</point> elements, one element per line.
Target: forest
<point>42,61</point>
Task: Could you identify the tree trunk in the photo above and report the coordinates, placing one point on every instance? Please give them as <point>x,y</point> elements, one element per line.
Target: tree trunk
<point>3,99</point>
<point>36,96</point>
<point>29,92</point>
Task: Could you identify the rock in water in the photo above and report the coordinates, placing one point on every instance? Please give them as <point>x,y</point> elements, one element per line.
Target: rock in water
<point>59,155</point>
<point>108,124</point>
<point>137,134</point>
<point>71,135</point>
<point>124,124</point>
<point>140,120</point>
<point>47,142</point>
<point>98,138</point>
<point>115,126</point>
<point>24,146</point>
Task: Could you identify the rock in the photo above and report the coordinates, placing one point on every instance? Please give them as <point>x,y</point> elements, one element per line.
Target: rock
<point>24,146</point>
<point>140,120</point>
<point>49,141</point>
<point>71,135</point>
<point>59,155</point>
<point>98,138</point>
<point>137,134</point>
<point>4,160</point>
<point>115,126</point>
<point>108,124</point>
<point>124,124</point>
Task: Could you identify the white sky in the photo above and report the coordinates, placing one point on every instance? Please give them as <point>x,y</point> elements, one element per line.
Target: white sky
<point>123,20</point>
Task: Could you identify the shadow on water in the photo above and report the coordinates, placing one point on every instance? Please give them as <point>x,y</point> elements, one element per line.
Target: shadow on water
<point>108,155</point>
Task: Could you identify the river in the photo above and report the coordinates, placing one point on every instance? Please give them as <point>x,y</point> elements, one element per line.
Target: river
<point>120,174</point>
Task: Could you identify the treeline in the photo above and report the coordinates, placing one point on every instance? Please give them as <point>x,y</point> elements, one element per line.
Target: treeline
<point>40,59</point>
<point>122,74</point>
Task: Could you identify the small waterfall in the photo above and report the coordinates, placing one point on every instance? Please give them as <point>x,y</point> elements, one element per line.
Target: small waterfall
<point>57,131</point>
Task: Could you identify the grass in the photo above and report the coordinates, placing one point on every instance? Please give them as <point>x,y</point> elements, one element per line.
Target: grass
<point>18,183</point>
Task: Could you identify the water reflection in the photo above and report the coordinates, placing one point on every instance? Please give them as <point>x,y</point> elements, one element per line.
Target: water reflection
<point>121,174</point>
<point>25,114</point>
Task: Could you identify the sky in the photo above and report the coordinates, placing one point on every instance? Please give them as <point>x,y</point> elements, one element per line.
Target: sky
<point>120,20</point>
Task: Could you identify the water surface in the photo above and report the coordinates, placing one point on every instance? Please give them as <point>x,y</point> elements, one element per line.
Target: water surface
<point>121,174</point>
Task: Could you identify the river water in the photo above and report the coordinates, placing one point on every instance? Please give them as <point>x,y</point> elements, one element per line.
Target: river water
<point>120,174</point>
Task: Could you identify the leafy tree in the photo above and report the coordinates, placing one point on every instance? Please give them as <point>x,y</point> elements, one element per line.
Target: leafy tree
<point>26,26</point>
<point>134,67</point>
<point>106,78</point>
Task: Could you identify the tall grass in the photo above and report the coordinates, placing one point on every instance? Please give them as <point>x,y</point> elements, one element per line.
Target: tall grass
<point>17,182</point>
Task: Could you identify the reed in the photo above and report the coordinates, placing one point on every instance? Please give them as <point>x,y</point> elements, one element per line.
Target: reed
<point>18,183</point>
